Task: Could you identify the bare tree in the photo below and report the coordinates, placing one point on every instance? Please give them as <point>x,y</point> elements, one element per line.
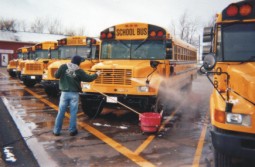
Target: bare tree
<point>54,26</point>
<point>38,25</point>
<point>23,25</point>
<point>81,31</point>
<point>186,29</point>
<point>211,22</point>
<point>173,28</point>
<point>70,31</point>
<point>8,25</point>
<point>184,26</point>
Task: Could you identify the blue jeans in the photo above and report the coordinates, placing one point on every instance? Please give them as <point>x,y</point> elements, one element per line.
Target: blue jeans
<point>71,99</point>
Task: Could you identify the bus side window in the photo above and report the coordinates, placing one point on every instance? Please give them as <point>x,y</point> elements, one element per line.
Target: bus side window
<point>169,49</point>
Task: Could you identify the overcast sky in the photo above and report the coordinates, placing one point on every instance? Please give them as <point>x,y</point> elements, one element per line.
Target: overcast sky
<point>97,15</point>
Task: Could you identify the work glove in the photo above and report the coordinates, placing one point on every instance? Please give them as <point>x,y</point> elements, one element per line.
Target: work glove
<point>98,73</point>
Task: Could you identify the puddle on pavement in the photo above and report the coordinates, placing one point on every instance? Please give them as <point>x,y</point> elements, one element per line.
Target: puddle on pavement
<point>8,155</point>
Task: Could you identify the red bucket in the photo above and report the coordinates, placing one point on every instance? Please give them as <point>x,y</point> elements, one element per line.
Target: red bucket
<point>150,121</point>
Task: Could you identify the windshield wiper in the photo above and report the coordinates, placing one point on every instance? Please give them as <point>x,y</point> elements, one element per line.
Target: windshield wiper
<point>69,57</point>
<point>245,61</point>
<point>123,44</point>
<point>141,44</point>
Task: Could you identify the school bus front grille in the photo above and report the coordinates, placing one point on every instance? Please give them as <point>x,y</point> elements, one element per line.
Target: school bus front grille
<point>115,77</point>
<point>21,65</point>
<point>52,71</point>
<point>34,67</point>
<point>13,63</point>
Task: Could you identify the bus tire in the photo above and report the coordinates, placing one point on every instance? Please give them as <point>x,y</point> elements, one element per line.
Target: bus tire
<point>161,102</point>
<point>29,83</point>
<point>92,108</point>
<point>52,91</point>
<point>12,74</point>
<point>221,159</point>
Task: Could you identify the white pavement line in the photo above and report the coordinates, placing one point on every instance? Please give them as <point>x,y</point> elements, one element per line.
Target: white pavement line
<point>37,149</point>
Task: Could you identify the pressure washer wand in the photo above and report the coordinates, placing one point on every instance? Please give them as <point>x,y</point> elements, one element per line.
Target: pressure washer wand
<point>117,102</point>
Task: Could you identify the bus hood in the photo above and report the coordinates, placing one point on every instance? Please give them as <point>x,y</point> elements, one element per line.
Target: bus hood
<point>242,80</point>
<point>58,63</point>
<point>140,68</point>
<point>86,65</point>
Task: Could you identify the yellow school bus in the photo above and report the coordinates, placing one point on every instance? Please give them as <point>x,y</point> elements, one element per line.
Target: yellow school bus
<point>13,64</point>
<point>24,54</point>
<point>83,46</point>
<point>230,57</point>
<point>44,54</point>
<point>139,62</point>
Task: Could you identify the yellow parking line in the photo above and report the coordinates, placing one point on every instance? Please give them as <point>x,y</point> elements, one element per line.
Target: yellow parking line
<point>117,146</point>
<point>151,137</point>
<point>79,114</point>
<point>144,144</point>
<point>41,98</point>
<point>120,148</point>
<point>200,146</point>
<point>4,74</point>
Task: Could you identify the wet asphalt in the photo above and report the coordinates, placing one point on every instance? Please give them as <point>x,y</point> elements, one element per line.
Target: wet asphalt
<point>14,150</point>
<point>115,137</point>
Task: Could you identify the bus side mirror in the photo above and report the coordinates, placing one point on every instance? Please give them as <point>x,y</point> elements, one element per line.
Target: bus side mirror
<point>208,34</point>
<point>90,53</point>
<point>169,49</point>
<point>45,61</point>
<point>49,53</point>
<point>154,64</point>
<point>207,49</point>
<point>89,43</point>
<point>209,61</point>
<point>169,53</point>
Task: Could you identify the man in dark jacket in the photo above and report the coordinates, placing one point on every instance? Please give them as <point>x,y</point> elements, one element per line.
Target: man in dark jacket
<point>70,76</point>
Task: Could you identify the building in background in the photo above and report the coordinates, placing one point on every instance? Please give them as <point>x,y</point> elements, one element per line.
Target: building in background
<point>11,41</point>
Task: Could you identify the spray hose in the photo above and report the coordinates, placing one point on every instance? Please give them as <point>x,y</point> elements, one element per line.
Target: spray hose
<point>118,102</point>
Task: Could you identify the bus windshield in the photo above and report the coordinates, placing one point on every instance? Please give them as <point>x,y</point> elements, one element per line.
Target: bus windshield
<point>133,49</point>
<point>66,52</point>
<point>238,42</point>
<point>20,56</point>
<point>25,56</point>
<point>44,54</point>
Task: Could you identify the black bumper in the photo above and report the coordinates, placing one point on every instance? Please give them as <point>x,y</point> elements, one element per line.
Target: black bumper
<point>11,70</point>
<point>50,83</point>
<point>143,102</point>
<point>234,144</point>
<point>36,78</point>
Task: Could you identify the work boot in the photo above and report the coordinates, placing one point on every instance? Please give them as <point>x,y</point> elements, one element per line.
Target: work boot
<point>56,134</point>
<point>74,133</point>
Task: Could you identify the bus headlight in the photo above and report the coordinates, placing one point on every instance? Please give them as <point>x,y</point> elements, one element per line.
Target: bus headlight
<point>143,89</point>
<point>240,119</point>
<point>44,76</point>
<point>85,85</point>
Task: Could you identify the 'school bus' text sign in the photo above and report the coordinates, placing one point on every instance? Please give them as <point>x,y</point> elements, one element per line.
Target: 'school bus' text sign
<point>136,31</point>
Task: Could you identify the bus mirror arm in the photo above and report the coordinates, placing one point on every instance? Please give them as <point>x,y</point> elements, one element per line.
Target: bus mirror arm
<point>229,105</point>
<point>154,64</point>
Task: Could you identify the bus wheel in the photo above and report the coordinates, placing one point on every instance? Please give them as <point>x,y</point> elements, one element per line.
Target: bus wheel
<point>159,106</point>
<point>29,83</point>
<point>52,91</point>
<point>221,159</point>
<point>189,87</point>
<point>161,101</point>
<point>92,108</point>
<point>12,74</point>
